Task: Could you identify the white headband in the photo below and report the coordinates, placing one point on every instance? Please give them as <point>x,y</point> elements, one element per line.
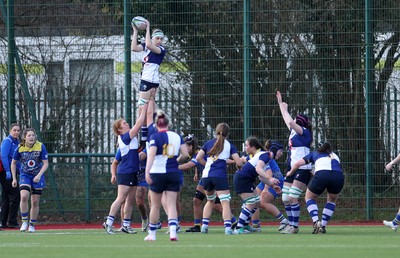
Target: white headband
<point>157,33</point>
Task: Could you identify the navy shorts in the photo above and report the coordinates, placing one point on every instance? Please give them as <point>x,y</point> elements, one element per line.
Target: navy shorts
<point>332,181</point>
<point>128,179</point>
<point>243,184</point>
<point>215,183</point>
<point>165,182</point>
<point>302,175</point>
<point>201,182</point>
<point>146,86</point>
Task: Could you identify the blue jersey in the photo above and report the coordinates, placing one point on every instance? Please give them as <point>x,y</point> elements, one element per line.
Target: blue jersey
<point>216,165</point>
<point>31,159</point>
<point>151,129</point>
<point>248,157</point>
<point>199,167</point>
<point>143,162</point>
<point>8,147</point>
<point>140,175</point>
<point>129,154</point>
<point>299,146</point>
<point>276,171</point>
<point>324,161</point>
<point>249,169</point>
<point>118,156</point>
<point>168,145</point>
<point>151,64</point>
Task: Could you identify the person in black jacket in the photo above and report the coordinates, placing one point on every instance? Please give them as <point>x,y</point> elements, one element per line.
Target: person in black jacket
<point>10,195</point>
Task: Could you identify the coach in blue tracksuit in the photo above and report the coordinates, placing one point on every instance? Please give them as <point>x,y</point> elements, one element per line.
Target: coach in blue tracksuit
<point>10,195</point>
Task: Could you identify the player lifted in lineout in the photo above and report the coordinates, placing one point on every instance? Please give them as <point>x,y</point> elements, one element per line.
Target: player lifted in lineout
<point>154,54</point>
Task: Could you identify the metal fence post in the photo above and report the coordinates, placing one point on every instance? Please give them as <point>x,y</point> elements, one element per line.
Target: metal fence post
<point>87,186</point>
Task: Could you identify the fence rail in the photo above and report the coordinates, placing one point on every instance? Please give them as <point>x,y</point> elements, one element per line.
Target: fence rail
<point>79,189</point>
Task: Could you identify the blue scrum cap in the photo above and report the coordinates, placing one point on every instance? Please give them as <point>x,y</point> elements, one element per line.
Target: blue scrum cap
<point>275,146</point>
<point>302,120</point>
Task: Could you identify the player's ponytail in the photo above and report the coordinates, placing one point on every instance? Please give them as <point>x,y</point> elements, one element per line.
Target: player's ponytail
<point>222,132</point>
<point>325,147</point>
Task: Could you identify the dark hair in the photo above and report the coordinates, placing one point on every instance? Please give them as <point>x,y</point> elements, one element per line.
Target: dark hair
<point>23,141</point>
<point>14,124</point>
<point>254,142</point>
<point>162,119</point>
<point>190,139</point>
<point>324,147</point>
<point>222,131</point>
<point>304,121</point>
<point>273,146</point>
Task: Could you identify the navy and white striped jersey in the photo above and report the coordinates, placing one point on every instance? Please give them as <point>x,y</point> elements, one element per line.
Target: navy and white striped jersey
<point>299,146</point>
<point>323,161</point>
<point>117,156</point>
<point>129,154</point>
<point>168,145</point>
<point>216,165</point>
<point>249,169</point>
<point>152,129</point>
<point>151,64</point>
<point>198,165</point>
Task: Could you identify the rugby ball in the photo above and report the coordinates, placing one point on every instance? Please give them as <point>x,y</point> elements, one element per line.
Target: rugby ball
<point>139,22</point>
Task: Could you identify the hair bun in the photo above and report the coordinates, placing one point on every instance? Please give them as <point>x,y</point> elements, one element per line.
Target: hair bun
<point>189,137</point>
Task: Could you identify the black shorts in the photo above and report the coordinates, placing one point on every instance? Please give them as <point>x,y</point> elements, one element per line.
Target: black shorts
<point>332,181</point>
<point>146,86</point>
<point>165,182</point>
<point>128,179</point>
<point>215,183</point>
<point>243,184</point>
<point>302,175</point>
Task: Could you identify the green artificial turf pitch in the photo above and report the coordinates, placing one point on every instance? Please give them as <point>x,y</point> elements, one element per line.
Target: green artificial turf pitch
<point>338,242</point>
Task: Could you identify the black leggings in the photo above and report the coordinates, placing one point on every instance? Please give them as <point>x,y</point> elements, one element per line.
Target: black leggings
<point>9,203</point>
